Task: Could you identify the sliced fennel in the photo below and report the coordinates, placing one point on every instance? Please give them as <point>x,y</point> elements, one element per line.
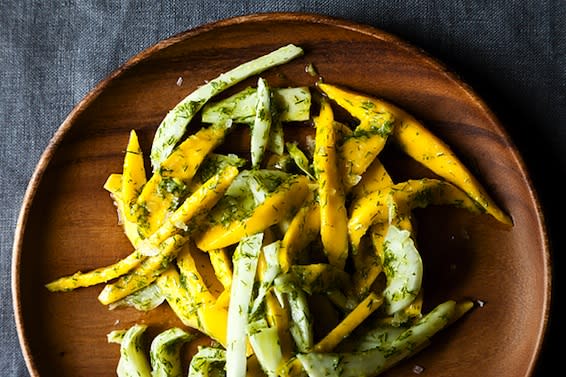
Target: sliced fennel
<point>262,123</point>
<point>265,343</point>
<point>173,126</point>
<point>271,255</point>
<point>144,300</point>
<point>208,362</point>
<point>133,361</point>
<point>165,351</point>
<point>374,361</point>
<point>245,264</point>
<point>403,268</point>
<point>291,105</point>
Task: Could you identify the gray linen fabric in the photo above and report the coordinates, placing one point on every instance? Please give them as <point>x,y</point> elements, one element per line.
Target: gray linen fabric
<point>53,52</point>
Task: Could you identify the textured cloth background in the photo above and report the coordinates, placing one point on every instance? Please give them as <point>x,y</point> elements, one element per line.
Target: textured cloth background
<point>53,52</point>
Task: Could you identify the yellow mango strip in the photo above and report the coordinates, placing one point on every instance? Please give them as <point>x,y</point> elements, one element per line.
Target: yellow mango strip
<point>368,139</point>
<point>223,299</point>
<point>133,175</point>
<point>222,265</point>
<point>349,323</point>
<point>114,186</point>
<point>202,200</point>
<point>163,192</point>
<point>145,273</point>
<point>178,298</point>
<point>367,265</point>
<point>214,322</point>
<point>278,206</point>
<point>303,228</point>
<point>192,278</point>
<point>367,211</point>
<point>96,276</point>
<point>332,200</point>
<point>375,207</point>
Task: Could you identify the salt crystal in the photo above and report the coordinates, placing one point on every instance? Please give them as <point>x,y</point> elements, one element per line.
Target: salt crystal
<point>417,369</point>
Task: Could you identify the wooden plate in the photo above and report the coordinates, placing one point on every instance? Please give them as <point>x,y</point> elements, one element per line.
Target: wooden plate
<point>68,222</point>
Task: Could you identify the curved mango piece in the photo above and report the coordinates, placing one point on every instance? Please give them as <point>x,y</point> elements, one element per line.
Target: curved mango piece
<point>405,196</point>
<point>367,264</point>
<point>332,200</point>
<point>214,321</point>
<point>418,142</point>
<point>423,146</point>
<point>368,139</point>
<point>133,175</point>
<point>210,319</point>
<point>279,205</point>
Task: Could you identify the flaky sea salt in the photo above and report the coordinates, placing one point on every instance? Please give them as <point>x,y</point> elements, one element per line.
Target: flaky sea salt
<point>417,369</point>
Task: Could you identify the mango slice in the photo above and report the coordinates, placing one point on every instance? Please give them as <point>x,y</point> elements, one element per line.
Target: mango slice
<point>331,197</point>
<point>277,206</point>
